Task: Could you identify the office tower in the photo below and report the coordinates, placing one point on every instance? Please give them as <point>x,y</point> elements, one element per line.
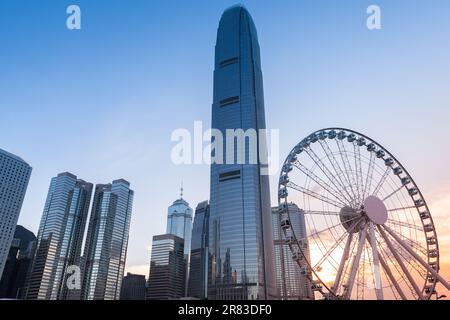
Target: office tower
<point>14,176</point>
<point>179,223</point>
<point>198,271</point>
<point>292,280</point>
<point>240,216</point>
<point>59,239</point>
<point>167,268</point>
<point>133,287</point>
<point>19,259</point>
<point>107,241</point>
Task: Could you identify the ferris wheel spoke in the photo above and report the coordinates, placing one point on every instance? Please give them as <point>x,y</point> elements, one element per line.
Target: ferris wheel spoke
<point>400,262</point>
<point>417,257</point>
<point>411,262</point>
<point>393,193</point>
<point>404,224</point>
<point>335,245</point>
<point>315,195</point>
<point>355,263</point>
<point>320,182</point>
<point>319,163</point>
<point>369,176</point>
<point>322,213</point>
<point>376,261</point>
<point>316,233</point>
<point>348,168</point>
<point>409,241</point>
<point>401,208</point>
<point>358,171</point>
<point>335,164</point>
<point>381,181</point>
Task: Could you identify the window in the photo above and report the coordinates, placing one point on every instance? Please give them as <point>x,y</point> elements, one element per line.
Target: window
<point>229,101</point>
<point>230,175</point>
<point>228,62</point>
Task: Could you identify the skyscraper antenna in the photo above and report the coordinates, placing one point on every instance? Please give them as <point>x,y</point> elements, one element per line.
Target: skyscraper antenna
<point>181,189</point>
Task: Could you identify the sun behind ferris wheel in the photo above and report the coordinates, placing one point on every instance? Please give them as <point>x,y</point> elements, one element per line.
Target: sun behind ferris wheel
<point>369,232</point>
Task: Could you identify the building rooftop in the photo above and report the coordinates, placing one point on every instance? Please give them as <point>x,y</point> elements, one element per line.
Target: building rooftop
<point>13,156</point>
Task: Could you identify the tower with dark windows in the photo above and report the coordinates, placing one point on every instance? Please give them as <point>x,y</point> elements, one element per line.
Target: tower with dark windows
<point>199,259</point>
<point>241,243</point>
<point>167,276</point>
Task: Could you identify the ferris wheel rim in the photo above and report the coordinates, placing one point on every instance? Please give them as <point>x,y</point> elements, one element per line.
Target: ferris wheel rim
<point>387,155</point>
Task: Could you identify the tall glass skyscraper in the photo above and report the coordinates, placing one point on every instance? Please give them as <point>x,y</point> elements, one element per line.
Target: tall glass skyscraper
<point>59,238</point>
<point>292,280</point>
<point>167,268</point>
<point>198,271</point>
<point>107,241</point>
<point>179,223</point>
<point>14,177</point>
<point>241,243</point>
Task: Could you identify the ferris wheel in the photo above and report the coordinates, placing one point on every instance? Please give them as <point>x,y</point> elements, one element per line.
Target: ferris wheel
<point>368,231</point>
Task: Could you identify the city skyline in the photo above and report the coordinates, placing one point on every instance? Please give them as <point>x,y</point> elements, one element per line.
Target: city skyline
<point>432,180</point>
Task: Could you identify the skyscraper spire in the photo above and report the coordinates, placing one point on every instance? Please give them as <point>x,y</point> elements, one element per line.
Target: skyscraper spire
<point>181,190</point>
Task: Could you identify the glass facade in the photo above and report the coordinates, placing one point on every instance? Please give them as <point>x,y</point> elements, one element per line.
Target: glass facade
<point>198,271</point>
<point>292,280</point>
<point>179,222</point>
<point>107,241</point>
<point>241,243</point>
<point>14,176</point>
<point>167,268</point>
<point>59,238</point>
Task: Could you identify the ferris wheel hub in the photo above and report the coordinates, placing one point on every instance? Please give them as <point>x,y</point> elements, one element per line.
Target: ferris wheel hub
<point>375,210</point>
<point>349,217</point>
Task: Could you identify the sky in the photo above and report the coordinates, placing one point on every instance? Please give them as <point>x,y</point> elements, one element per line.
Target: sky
<point>102,102</point>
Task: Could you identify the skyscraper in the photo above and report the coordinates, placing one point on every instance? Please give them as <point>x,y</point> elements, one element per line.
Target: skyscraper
<point>167,268</point>
<point>241,243</point>
<point>16,269</point>
<point>14,177</point>
<point>133,287</point>
<point>292,280</point>
<point>198,271</point>
<point>60,238</point>
<point>179,223</point>
<point>107,240</point>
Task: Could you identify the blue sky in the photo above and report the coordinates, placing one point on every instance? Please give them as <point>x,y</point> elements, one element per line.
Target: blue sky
<point>102,101</point>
